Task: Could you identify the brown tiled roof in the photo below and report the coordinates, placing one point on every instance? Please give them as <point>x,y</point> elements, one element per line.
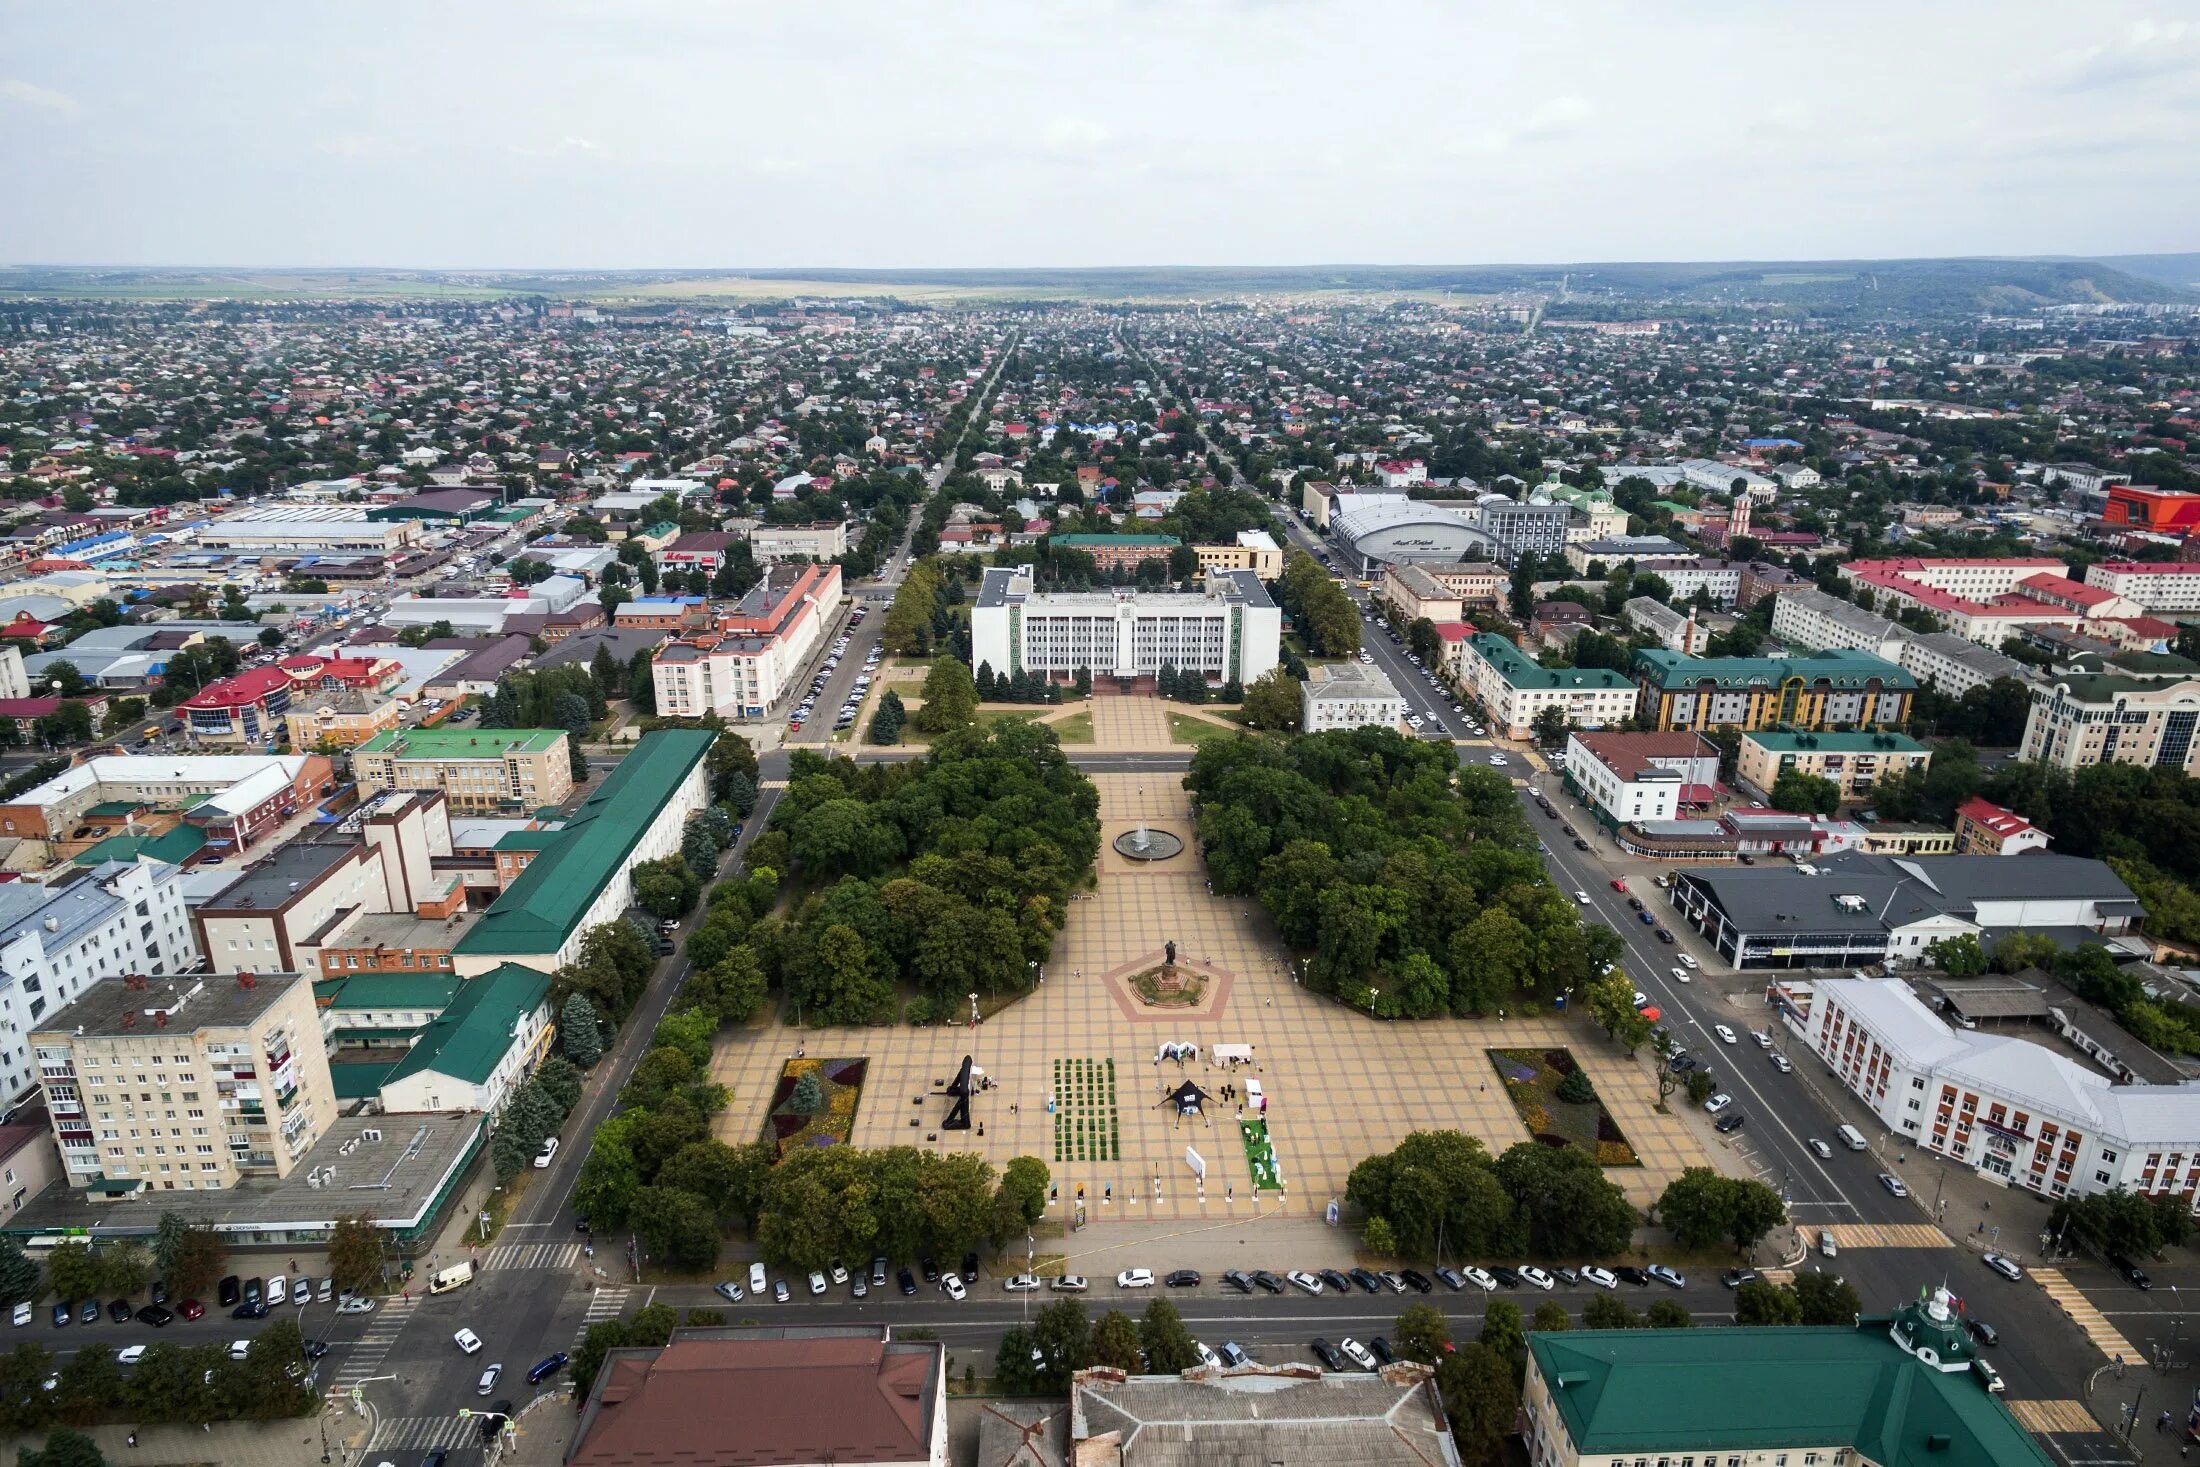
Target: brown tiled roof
<point>733,1398</point>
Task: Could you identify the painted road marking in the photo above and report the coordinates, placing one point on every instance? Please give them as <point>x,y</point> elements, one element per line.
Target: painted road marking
<point>2083,1314</point>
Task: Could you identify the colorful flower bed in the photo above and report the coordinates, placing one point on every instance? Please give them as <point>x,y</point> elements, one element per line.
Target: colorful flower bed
<point>1531,1078</point>
<point>1086,1127</point>
<point>842,1083</point>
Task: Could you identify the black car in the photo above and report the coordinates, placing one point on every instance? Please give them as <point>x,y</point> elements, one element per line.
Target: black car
<point>1580,844</point>
<point>160,1292</point>
<point>1507,1278</point>
<point>1450,1279</point>
<point>1336,1281</point>
<point>436,1458</point>
<point>315,1349</point>
<point>1326,1353</point>
<point>2133,1274</point>
<point>229,1290</point>
<point>1729,1123</point>
<point>1238,1280</point>
<point>1681,1062</point>
<point>1382,1350</point>
<point>1635,902</point>
<point>1267,1281</point>
<point>493,1419</point>
<point>548,1366</point>
<point>1416,1281</point>
<point>929,1269</point>
<point>1569,830</point>
<point>1366,1279</point>
<point>1183,1278</point>
<point>970,1268</point>
<point>1665,937</point>
<point>120,1311</point>
<point>249,1309</point>
<point>156,1315</point>
<point>1981,1331</point>
<point>907,1280</point>
<point>60,1316</point>
<point>254,1291</point>
<point>1628,1273</point>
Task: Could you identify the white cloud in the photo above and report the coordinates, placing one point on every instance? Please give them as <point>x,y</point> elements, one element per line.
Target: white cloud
<point>38,98</point>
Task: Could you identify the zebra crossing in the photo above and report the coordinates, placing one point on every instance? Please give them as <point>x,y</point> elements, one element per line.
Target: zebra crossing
<point>422,1433</point>
<point>2085,1315</point>
<point>2045,1417</point>
<point>373,1345</point>
<point>602,1305</point>
<point>534,1255</point>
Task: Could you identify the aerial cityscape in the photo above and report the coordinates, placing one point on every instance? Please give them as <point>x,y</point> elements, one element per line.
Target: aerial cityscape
<point>727,739</point>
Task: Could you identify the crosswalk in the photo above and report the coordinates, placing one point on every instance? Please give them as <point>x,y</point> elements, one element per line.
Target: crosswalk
<point>534,1255</point>
<point>422,1433</point>
<point>2053,1416</point>
<point>602,1305</point>
<point>1888,1235</point>
<point>2084,1315</point>
<point>365,1357</point>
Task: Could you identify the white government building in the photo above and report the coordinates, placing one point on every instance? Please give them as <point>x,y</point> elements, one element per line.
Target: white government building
<point>1348,695</point>
<point>1231,629</point>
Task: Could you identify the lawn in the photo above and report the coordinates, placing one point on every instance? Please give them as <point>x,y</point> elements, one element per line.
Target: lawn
<point>1185,729</point>
<point>1532,1078</point>
<point>1260,1156</point>
<point>1075,729</point>
<point>834,1121</point>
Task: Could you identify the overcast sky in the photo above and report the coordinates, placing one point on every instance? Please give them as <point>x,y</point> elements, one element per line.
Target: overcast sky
<point>476,133</point>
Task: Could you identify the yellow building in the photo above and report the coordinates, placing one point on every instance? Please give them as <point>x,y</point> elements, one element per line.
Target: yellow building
<point>476,768</point>
<point>1824,690</point>
<point>1854,762</point>
<point>237,1063</point>
<point>340,718</point>
<point>1255,550</point>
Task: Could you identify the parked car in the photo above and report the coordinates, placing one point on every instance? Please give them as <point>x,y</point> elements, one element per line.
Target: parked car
<point>1479,1277</point>
<point>1233,1354</point>
<point>1450,1279</point>
<point>1633,1275</point>
<point>2133,1274</point>
<point>1382,1351</point>
<point>1894,1184</point>
<point>1266,1281</point>
<point>1326,1353</point>
<point>1718,1103</point>
<point>1070,1283</point>
<point>729,1291</point>
<point>1237,1279</point>
<point>907,1280</point>
<point>954,1287</point>
<point>969,1269</point>
<point>1357,1353</point>
<point>1536,1278</point>
<point>157,1315</point>
<point>1366,1279</point>
<point>1336,1281</point>
<point>1183,1278</point>
<point>1506,1277</point>
<point>1416,1280</point>
<point>1304,1281</point>
<point>1134,1278</point>
<point>1981,1331</point>
<point>1667,1276</point>
<point>1729,1123</point>
<point>1603,1278</point>
<point>1734,1278</point>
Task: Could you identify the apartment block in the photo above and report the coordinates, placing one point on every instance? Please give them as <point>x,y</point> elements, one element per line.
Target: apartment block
<point>475,768</point>
<point>2114,718</point>
<point>1348,695</point>
<point>744,663</point>
<point>1512,687</point>
<point>185,1084</point>
<point>2167,585</point>
<point>1854,762</point>
<point>821,541</point>
<point>1828,690</point>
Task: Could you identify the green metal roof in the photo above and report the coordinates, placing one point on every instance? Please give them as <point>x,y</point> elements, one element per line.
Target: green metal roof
<point>2107,687</point>
<point>1522,671</point>
<point>1082,542</point>
<point>542,906</point>
<point>358,1082</point>
<point>461,743</point>
<point>468,1038</point>
<point>111,809</point>
<point>1847,670</point>
<point>174,846</point>
<point>1765,1388</point>
<point>389,990</point>
<point>525,840</point>
<point>1836,743</point>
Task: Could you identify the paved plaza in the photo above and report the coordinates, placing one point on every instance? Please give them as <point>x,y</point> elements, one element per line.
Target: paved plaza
<point>1340,1086</point>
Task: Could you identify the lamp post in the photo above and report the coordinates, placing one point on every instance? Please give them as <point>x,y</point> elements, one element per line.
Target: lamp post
<point>1372,995</point>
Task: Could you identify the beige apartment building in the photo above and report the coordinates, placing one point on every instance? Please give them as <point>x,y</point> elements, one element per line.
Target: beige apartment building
<point>2114,718</point>
<point>185,1084</point>
<point>1255,550</point>
<point>508,769</point>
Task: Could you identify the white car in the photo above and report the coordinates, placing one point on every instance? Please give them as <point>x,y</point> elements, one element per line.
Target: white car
<point>817,1282</point>
<point>1537,1277</point>
<point>1207,1357</point>
<point>1680,975</point>
<point>22,1313</point>
<point>953,1284</point>
<point>1726,1035</point>
<point>1022,1283</point>
<point>1764,1039</point>
<point>239,1348</point>
<point>1603,1278</point>
<point>130,1355</point>
<point>1357,1353</point>
<point>1481,1278</point>
<point>1304,1280</point>
<point>1134,1278</point>
<point>1582,897</point>
<point>1782,1063</point>
<point>2008,1268</point>
<point>468,1341</point>
<point>757,1283</point>
<point>353,1304</point>
<point>1689,962</point>
<point>1820,1149</point>
<point>1717,1103</point>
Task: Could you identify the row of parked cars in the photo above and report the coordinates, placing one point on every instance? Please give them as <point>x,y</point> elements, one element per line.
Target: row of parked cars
<point>847,714</point>
<point>245,1298</point>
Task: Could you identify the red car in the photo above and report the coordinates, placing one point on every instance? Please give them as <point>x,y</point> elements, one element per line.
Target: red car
<point>191,1309</point>
<point>1619,883</point>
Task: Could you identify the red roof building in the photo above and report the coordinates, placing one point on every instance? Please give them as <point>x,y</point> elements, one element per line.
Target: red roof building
<point>1986,829</point>
<point>245,709</point>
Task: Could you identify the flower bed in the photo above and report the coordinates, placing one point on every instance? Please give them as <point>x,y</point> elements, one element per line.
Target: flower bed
<point>842,1083</point>
<point>1531,1078</point>
<point>1169,987</point>
<point>1086,1126</point>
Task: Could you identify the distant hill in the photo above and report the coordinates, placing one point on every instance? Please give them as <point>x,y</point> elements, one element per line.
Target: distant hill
<point>1836,288</point>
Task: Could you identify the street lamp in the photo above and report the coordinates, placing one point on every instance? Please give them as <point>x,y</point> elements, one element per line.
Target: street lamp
<point>1372,995</point>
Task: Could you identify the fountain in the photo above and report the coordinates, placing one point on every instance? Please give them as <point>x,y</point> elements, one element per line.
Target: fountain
<point>1144,844</point>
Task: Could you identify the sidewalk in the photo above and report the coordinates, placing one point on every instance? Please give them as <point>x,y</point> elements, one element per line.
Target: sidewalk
<point>291,1443</point>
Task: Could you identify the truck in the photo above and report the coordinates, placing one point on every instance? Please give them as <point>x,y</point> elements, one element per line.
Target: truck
<point>457,1276</point>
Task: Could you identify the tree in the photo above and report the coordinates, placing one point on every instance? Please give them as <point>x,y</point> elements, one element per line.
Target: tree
<point>1014,1374</point>
<point>1421,1333</point>
<point>1115,1342</point>
<point>1608,1311</point>
<point>1168,1344</point>
<point>678,1228</point>
<point>1551,725</point>
<point>18,1274</point>
<point>1826,1299</point>
<point>1379,1238</point>
<point>1700,1206</point>
<point>1758,1302</point>
<point>1670,1314</point>
<point>887,722</point>
<point>561,1081</point>
<point>1064,1341</point>
<point>64,1448</point>
<point>809,1095</point>
<point>355,1254</point>
<point>1805,794</point>
<point>1550,1315</point>
<point>24,1403</point>
<point>1272,703</point>
<point>91,1385</point>
<point>950,697</point>
<point>1024,1182</point>
<point>578,1033</point>
<point>199,1261</point>
<point>1502,1333</point>
<point>1958,957</point>
<point>1481,1399</point>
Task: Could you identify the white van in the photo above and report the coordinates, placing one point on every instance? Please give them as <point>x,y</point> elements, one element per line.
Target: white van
<point>1850,1137</point>
<point>457,1276</point>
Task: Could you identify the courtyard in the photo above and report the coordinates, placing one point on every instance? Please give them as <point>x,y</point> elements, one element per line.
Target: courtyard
<point>1339,1086</point>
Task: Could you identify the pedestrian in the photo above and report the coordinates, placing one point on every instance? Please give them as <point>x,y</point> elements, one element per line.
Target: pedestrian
<point>2161,1424</point>
<point>133,1435</point>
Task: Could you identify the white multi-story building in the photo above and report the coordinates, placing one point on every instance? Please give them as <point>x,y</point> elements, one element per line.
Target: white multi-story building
<point>744,663</point>
<point>1231,629</point>
<point>820,541</point>
<point>1954,665</point>
<point>13,681</point>
<point>1629,777</point>
<point>1709,473</point>
<point>2114,718</point>
<point>56,941</point>
<point>2156,586</point>
<point>1348,695</point>
<point>1678,631</point>
<point>1822,623</point>
<point>1513,688</point>
<point>2004,1106</point>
